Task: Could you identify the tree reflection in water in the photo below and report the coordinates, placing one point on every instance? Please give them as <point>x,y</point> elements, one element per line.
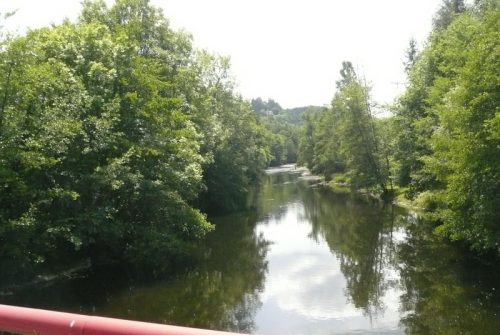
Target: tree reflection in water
<point>222,294</point>
<point>444,290</point>
<point>361,236</point>
<point>435,288</point>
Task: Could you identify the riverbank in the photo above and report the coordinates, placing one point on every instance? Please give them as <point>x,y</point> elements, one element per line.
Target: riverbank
<point>304,172</point>
<point>398,199</point>
<point>340,183</point>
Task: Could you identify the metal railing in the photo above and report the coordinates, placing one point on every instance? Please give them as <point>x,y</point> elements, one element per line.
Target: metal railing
<point>23,320</point>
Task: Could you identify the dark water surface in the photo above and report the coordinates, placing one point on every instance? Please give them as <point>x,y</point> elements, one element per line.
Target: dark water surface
<point>304,261</point>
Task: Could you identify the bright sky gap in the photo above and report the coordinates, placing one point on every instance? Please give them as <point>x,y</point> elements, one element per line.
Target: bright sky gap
<point>290,51</point>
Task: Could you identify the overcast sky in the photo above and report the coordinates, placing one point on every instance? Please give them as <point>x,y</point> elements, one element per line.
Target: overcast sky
<point>288,50</point>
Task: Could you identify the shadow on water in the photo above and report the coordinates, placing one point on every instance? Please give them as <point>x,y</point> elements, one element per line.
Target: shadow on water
<point>220,293</point>
<point>446,291</point>
<point>394,275</point>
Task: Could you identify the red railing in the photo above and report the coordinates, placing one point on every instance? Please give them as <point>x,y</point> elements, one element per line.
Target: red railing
<point>41,322</point>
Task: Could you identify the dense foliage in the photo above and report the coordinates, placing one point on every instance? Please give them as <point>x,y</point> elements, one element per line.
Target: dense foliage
<point>343,138</point>
<point>442,146</point>
<point>112,129</point>
<point>451,110</point>
<point>283,128</point>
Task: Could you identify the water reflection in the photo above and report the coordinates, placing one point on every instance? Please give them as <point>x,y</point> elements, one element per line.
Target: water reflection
<point>382,271</point>
<point>305,261</point>
<point>277,192</point>
<point>361,236</point>
<point>222,293</point>
<point>334,281</point>
<point>446,291</point>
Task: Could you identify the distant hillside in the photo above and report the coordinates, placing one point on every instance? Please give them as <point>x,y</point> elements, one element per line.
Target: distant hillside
<point>294,115</point>
<point>272,108</point>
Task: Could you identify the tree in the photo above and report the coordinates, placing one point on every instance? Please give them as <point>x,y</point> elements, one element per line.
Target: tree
<point>110,127</point>
<point>447,13</point>
<point>447,148</point>
<point>466,156</point>
<point>411,55</point>
<point>359,143</point>
<point>344,139</point>
<point>306,144</point>
<point>328,158</point>
<point>235,145</point>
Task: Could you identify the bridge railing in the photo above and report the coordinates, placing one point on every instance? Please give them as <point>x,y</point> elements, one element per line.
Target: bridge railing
<point>23,320</point>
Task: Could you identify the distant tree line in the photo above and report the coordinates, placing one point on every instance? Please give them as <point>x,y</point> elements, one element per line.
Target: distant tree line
<point>283,126</point>
<point>441,147</point>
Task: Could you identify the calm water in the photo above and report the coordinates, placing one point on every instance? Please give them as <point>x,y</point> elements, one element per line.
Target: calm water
<point>304,261</point>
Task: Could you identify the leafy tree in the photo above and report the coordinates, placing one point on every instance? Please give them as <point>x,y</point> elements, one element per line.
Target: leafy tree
<point>411,55</point>
<point>355,128</point>
<point>269,106</point>
<point>110,129</point>
<point>238,160</point>
<point>306,144</point>
<point>328,158</point>
<point>466,145</point>
<point>447,147</point>
<point>447,13</point>
<point>344,139</point>
<point>283,138</point>
<point>236,145</point>
<point>414,127</point>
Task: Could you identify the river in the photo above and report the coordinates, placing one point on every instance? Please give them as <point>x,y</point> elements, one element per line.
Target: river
<point>304,260</point>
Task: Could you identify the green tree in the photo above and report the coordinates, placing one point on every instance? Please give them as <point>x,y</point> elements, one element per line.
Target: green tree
<point>466,156</point>
<point>354,126</point>
<point>448,12</point>
<point>411,55</point>
<point>111,128</point>
<point>100,152</point>
<point>236,145</point>
<point>306,144</point>
<point>344,139</point>
<point>447,147</point>
<point>328,158</point>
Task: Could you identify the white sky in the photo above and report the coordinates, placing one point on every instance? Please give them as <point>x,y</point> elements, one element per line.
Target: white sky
<point>287,50</point>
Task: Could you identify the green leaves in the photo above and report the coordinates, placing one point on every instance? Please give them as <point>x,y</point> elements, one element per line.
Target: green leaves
<point>464,158</point>
<point>343,139</point>
<point>110,129</point>
<point>453,122</point>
